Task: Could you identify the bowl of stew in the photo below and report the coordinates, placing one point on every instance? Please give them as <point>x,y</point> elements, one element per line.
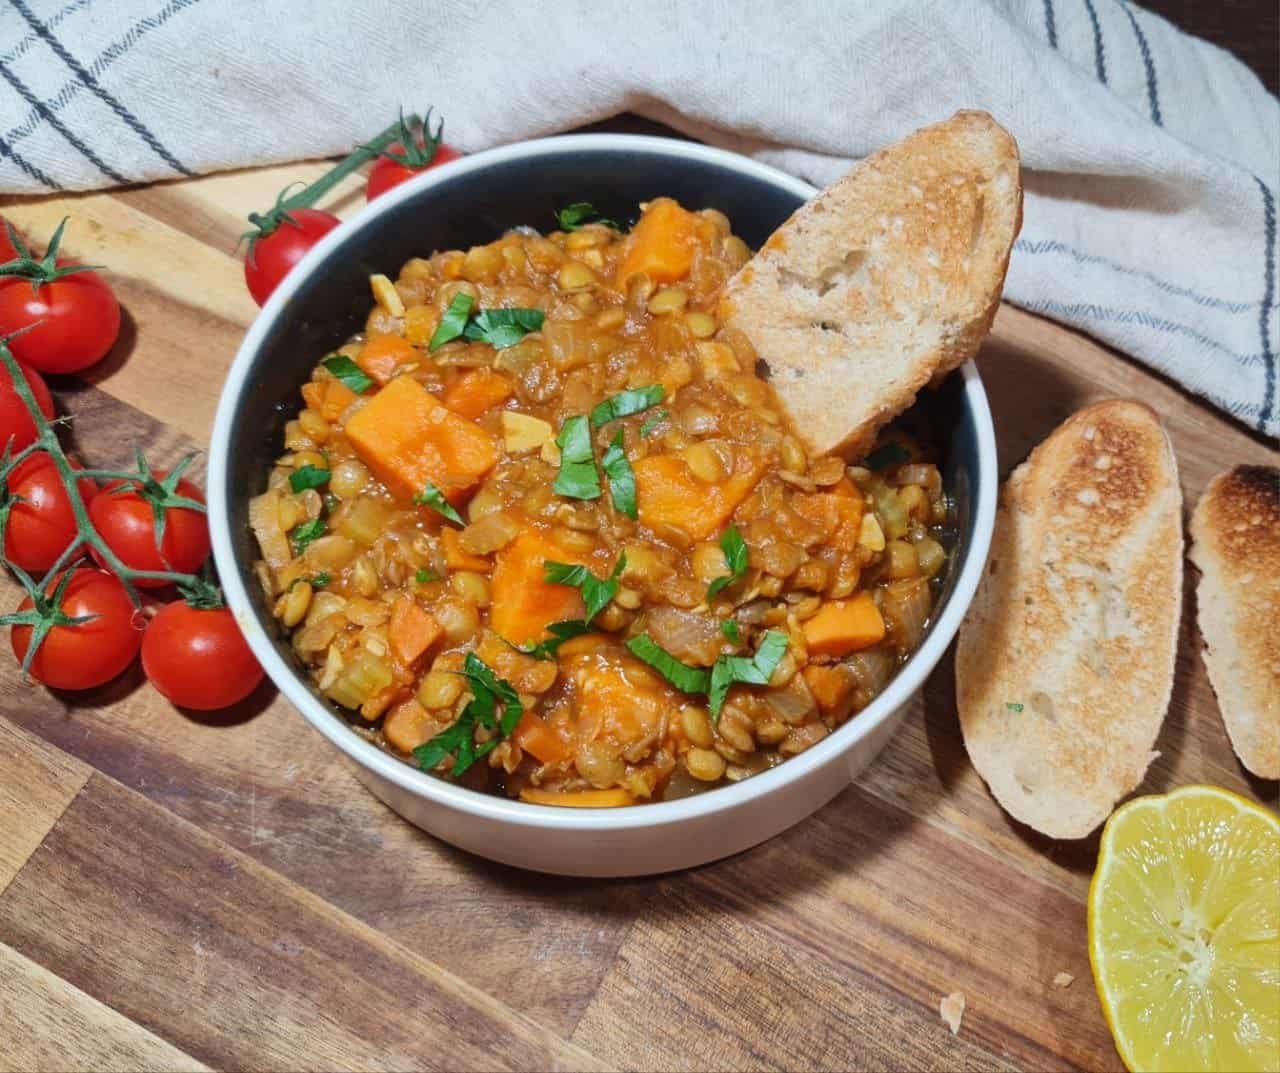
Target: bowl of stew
<point>519,525</point>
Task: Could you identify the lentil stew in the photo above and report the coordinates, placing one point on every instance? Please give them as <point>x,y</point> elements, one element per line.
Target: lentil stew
<point>541,527</point>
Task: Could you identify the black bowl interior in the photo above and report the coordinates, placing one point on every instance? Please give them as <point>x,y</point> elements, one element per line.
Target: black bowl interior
<point>477,207</point>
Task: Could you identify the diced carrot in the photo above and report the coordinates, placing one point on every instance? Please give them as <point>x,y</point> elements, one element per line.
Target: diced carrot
<point>844,626</point>
<point>337,397</point>
<point>411,630</point>
<point>407,438</point>
<point>455,558</point>
<point>313,394</point>
<point>536,738</point>
<point>382,355</point>
<point>476,391</point>
<point>669,496</point>
<point>524,604</point>
<point>614,798</point>
<point>832,686</point>
<point>662,243</point>
<point>407,726</point>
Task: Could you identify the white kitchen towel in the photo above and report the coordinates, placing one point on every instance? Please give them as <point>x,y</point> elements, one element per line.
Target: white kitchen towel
<point>1152,158</point>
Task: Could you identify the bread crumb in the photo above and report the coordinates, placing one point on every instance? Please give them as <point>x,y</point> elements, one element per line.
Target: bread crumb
<point>952,1010</point>
<point>1063,979</point>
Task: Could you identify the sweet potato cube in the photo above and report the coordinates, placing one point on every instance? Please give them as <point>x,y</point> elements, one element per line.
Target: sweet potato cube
<point>844,626</point>
<point>382,355</point>
<point>524,604</point>
<point>670,498</point>
<point>662,243</point>
<point>476,391</point>
<point>407,439</point>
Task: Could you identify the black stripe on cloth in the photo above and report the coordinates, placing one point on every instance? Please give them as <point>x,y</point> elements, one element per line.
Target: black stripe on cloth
<point>57,125</point>
<point>1050,24</point>
<point>1099,55</point>
<point>95,87</point>
<point>1268,300</point>
<point>1153,94</point>
<point>30,169</point>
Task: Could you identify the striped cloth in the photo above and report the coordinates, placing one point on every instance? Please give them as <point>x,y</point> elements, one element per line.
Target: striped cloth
<point>1153,159</point>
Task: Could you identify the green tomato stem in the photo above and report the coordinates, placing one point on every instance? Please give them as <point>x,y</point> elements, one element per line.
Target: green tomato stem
<point>266,222</point>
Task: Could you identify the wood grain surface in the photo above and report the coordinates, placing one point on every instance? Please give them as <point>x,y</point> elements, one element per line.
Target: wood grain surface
<point>220,892</point>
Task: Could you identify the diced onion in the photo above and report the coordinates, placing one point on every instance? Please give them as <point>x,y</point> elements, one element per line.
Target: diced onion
<point>264,519</point>
<point>365,521</point>
<point>490,533</point>
<point>906,606</point>
<point>872,668</point>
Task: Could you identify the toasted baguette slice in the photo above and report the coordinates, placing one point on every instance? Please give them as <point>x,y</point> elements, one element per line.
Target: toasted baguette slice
<point>1065,661</point>
<point>888,279</point>
<point>1236,535</point>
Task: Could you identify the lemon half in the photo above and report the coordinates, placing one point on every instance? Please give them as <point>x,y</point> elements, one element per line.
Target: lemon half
<point>1184,932</point>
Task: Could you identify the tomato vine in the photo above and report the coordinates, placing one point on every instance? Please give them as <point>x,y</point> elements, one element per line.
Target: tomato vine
<point>46,611</point>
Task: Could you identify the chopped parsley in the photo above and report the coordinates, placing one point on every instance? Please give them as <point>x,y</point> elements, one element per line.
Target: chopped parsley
<point>454,321</point>
<point>306,533</point>
<point>321,579</point>
<point>347,371</point>
<point>634,401</point>
<point>1013,706</point>
<point>728,670</point>
<point>622,478</point>
<point>685,678</point>
<point>729,627</point>
<point>596,594</point>
<point>577,478</point>
<point>432,497</point>
<point>488,692</point>
<point>572,217</point>
<point>560,632</point>
<point>501,328</point>
<point>424,576</point>
<point>735,554</point>
<point>754,670</point>
<point>651,424</point>
<point>891,454</point>
<point>305,477</point>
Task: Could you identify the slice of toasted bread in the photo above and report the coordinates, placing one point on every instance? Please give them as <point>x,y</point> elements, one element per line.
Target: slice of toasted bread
<point>887,279</point>
<point>1236,545</point>
<point>1065,661</point>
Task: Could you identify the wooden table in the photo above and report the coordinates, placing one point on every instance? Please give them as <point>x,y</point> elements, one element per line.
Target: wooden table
<point>182,892</point>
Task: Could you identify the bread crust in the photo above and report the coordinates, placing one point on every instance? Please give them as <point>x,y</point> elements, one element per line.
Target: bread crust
<point>1236,535</point>
<point>1066,658</point>
<point>886,281</point>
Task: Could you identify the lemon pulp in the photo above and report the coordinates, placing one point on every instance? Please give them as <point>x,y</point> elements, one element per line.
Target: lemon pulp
<point>1184,932</point>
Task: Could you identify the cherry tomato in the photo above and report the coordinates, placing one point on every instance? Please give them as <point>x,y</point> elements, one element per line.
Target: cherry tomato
<point>41,525</point>
<point>270,258</point>
<point>90,653</point>
<point>126,522</point>
<point>16,427</point>
<point>77,320</point>
<point>198,658</point>
<point>388,173</point>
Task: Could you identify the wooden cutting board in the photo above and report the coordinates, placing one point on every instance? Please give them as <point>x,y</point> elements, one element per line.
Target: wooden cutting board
<point>221,892</point>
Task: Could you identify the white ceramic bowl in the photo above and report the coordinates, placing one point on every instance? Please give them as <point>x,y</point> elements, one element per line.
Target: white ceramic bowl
<point>324,299</point>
